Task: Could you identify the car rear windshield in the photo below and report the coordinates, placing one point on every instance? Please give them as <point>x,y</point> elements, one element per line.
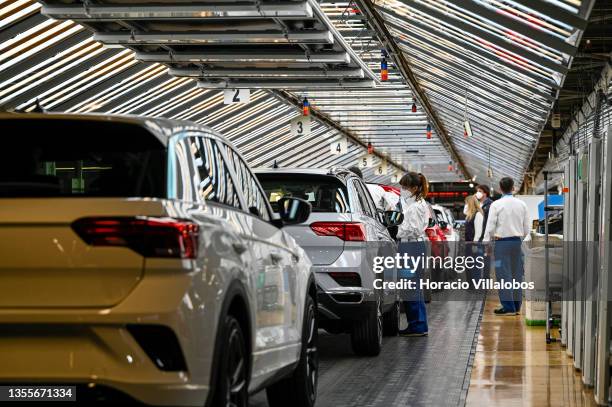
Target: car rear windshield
<point>325,193</point>
<point>80,158</point>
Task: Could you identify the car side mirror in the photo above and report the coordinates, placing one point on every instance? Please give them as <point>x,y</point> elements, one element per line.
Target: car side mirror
<point>392,218</point>
<point>293,210</point>
<point>443,225</point>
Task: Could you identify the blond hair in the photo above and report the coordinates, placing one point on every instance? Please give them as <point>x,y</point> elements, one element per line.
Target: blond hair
<point>473,207</point>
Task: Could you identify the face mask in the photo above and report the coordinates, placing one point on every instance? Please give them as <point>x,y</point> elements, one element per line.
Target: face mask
<point>465,210</point>
<point>479,195</point>
<point>406,195</point>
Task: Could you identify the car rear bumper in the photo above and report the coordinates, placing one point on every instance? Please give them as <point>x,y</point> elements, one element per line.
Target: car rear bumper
<point>97,349</point>
<point>346,303</point>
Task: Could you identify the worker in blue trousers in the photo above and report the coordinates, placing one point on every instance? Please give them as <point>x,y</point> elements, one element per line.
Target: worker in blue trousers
<point>507,226</point>
<point>411,234</point>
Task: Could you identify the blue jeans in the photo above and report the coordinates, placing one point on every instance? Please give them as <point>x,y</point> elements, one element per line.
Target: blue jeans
<point>509,266</point>
<point>414,306</point>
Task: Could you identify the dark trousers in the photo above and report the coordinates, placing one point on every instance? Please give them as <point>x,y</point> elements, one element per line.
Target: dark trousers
<point>414,304</point>
<point>509,267</point>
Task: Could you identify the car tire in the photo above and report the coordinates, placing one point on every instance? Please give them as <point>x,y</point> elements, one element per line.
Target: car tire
<point>232,380</point>
<point>366,337</point>
<point>300,389</point>
<point>391,320</point>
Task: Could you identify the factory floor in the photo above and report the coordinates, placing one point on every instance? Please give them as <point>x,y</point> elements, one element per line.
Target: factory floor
<point>513,366</point>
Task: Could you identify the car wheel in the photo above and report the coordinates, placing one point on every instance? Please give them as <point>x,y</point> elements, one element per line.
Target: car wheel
<point>232,382</point>
<point>391,320</point>
<point>366,337</point>
<point>300,389</point>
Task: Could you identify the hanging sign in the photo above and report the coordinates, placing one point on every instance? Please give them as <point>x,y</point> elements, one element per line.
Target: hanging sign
<point>555,121</point>
<point>231,96</point>
<point>339,147</point>
<point>300,126</point>
<point>366,161</point>
<point>381,168</point>
<point>467,129</point>
<point>395,178</point>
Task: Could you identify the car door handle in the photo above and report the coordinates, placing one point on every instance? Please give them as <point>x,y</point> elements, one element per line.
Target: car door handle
<point>276,258</point>
<point>239,247</point>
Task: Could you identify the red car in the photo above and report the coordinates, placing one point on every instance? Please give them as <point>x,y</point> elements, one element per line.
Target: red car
<point>435,234</point>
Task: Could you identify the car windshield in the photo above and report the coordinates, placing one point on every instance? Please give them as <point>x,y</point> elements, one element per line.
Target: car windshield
<point>325,193</point>
<point>80,158</point>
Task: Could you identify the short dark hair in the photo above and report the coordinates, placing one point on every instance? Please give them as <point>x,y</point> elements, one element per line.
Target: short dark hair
<point>506,184</point>
<point>355,170</point>
<point>484,188</point>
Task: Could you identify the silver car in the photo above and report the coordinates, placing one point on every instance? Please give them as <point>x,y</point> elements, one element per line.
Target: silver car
<point>140,260</point>
<point>342,235</point>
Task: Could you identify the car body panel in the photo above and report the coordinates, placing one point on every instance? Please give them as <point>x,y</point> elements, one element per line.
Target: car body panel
<point>82,321</point>
<point>355,256</point>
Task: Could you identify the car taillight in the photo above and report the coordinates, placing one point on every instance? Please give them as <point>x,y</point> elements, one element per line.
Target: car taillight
<point>432,235</point>
<point>351,231</point>
<point>150,237</point>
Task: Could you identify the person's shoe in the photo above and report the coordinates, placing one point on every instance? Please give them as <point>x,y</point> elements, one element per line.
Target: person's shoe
<point>408,333</point>
<point>503,311</point>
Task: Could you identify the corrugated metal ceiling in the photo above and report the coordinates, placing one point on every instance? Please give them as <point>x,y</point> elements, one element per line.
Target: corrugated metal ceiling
<point>496,63</point>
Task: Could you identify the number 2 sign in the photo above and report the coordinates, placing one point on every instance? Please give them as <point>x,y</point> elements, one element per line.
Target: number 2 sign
<point>231,96</point>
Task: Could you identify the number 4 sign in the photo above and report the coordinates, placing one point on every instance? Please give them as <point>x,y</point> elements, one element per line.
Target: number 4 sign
<point>339,147</point>
<point>231,96</point>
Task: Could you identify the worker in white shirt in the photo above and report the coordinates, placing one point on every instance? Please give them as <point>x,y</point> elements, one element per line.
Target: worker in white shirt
<point>507,226</point>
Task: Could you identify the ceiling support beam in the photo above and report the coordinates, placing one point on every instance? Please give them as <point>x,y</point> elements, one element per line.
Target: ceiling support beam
<point>377,22</point>
<point>325,57</point>
<point>200,11</point>
<point>329,122</point>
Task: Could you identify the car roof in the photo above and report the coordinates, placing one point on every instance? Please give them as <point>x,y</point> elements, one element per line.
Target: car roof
<point>163,129</point>
<point>337,172</point>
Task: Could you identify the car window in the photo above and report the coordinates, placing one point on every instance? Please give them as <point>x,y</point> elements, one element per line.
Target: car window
<point>80,158</point>
<point>249,185</point>
<point>203,175</point>
<point>325,193</point>
<point>439,215</point>
<point>369,199</point>
<point>362,197</point>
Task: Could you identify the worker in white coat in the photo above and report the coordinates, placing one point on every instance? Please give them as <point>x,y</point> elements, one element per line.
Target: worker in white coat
<point>411,233</point>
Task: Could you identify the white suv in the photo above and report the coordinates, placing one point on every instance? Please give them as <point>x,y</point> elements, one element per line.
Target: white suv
<point>140,260</point>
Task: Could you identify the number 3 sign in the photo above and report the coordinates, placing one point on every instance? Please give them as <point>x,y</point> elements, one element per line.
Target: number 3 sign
<point>300,126</point>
